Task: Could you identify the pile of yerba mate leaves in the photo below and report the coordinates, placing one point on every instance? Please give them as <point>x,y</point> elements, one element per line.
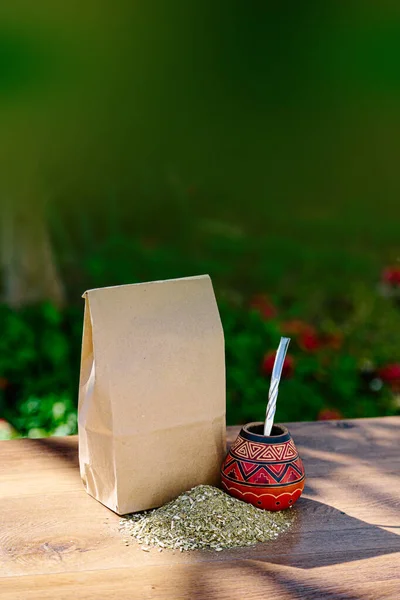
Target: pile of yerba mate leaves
<point>204,518</point>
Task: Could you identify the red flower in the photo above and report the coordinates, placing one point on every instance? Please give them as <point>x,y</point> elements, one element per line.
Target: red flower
<point>309,341</point>
<point>390,374</point>
<point>262,304</point>
<point>391,275</point>
<point>3,383</point>
<point>307,337</point>
<point>268,365</point>
<point>329,414</point>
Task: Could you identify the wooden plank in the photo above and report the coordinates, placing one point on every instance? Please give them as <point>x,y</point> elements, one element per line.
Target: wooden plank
<point>346,533</point>
<point>254,580</point>
<point>45,542</point>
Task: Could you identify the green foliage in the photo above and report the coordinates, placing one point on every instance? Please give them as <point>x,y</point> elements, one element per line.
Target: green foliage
<point>39,363</point>
<point>40,353</point>
<point>325,378</point>
<point>47,415</point>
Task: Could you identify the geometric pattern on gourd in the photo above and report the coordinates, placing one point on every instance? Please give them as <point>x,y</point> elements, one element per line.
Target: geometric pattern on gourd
<point>299,464</point>
<point>292,475</point>
<point>267,474</point>
<point>237,442</point>
<point>248,468</point>
<point>248,450</point>
<point>234,472</point>
<point>277,468</point>
<point>264,452</point>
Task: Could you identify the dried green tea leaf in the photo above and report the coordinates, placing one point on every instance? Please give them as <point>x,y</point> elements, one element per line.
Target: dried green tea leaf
<point>204,518</point>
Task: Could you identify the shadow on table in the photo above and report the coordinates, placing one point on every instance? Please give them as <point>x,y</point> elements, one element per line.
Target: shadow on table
<point>283,568</point>
<point>260,582</point>
<point>63,448</point>
<point>371,449</point>
<point>322,536</point>
<point>288,585</point>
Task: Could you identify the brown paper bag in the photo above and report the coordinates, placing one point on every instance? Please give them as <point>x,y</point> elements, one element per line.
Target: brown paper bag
<point>152,392</point>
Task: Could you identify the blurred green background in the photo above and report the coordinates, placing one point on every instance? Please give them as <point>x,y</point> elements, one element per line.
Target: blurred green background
<point>257,142</point>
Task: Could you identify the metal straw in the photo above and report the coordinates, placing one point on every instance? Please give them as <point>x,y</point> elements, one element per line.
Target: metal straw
<point>273,388</point>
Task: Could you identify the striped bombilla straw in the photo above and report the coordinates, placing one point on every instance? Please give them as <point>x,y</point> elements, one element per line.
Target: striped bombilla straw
<point>273,388</point>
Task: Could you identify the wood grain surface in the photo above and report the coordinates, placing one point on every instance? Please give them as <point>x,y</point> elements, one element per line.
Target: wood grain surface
<point>56,542</point>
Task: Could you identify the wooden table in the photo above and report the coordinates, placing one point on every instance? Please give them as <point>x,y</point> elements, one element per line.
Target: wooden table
<point>58,543</point>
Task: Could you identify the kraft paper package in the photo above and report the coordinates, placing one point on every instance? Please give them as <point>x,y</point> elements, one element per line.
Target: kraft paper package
<point>152,392</point>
